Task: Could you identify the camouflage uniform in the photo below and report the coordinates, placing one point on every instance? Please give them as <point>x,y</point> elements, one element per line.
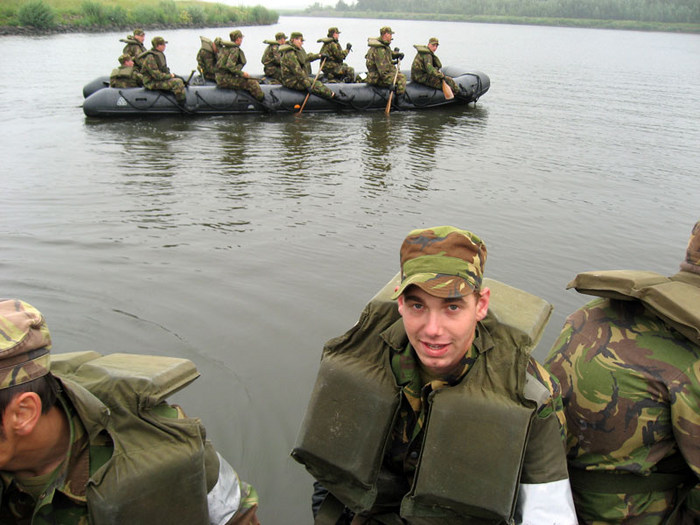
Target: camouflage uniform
<point>206,59</point>
<point>125,76</point>
<point>156,75</point>
<point>296,68</point>
<point>448,263</point>
<point>334,68</point>
<point>631,387</point>
<point>133,47</point>
<point>229,70</point>
<point>380,66</point>
<point>62,496</point>
<point>426,70</point>
<point>271,60</point>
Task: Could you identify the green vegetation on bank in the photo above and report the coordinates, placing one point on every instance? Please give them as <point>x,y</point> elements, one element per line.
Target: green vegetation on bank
<point>99,14</point>
<point>650,15</point>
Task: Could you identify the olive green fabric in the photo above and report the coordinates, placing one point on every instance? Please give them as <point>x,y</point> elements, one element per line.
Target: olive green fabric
<point>671,298</point>
<point>342,443</point>
<point>119,393</point>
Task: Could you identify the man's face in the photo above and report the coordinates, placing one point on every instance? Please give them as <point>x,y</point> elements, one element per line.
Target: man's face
<point>298,42</point>
<point>238,41</point>
<point>160,47</point>
<point>281,41</point>
<point>441,330</point>
<point>433,47</point>
<point>336,35</point>
<point>387,37</point>
<point>140,38</point>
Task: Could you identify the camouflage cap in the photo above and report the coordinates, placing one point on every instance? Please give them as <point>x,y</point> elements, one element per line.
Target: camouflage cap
<point>332,30</point>
<point>235,34</point>
<point>385,29</point>
<point>139,32</point>
<point>124,58</point>
<point>24,343</point>
<point>692,254</point>
<point>280,35</point>
<point>295,35</point>
<point>443,261</point>
<point>433,40</point>
<point>158,41</point>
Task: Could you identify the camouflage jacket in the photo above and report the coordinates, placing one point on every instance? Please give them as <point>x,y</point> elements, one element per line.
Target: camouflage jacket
<point>125,77</point>
<point>631,388</point>
<point>380,62</point>
<point>296,67</point>
<point>407,434</point>
<point>64,496</point>
<point>206,60</point>
<point>335,53</point>
<point>133,47</point>
<point>154,67</point>
<point>272,58</point>
<point>231,59</point>
<point>426,66</point>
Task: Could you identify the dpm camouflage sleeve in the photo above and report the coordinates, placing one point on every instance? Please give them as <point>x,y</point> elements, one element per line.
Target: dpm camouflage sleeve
<point>631,388</point>
<point>151,71</point>
<point>293,74</point>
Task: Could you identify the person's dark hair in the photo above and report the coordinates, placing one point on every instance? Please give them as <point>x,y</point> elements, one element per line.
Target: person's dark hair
<point>47,387</point>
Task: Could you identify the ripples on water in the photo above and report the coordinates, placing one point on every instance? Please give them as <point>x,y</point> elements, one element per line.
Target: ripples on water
<point>244,243</point>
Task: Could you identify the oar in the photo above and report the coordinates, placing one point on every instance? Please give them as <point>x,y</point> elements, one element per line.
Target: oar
<point>387,110</point>
<point>320,68</point>
<point>447,91</point>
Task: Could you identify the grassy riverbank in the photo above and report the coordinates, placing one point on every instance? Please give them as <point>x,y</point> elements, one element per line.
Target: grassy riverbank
<point>505,19</point>
<point>20,16</point>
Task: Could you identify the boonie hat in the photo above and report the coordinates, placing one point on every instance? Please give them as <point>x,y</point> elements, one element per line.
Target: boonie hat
<point>280,35</point>
<point>433,40</point>
<point>295,35</point>
<point>443,261</point>
<point>124,58</point>
<point>332,30</point>
<point>25,343</point>
<point>139,32</point>
<point>691,263</point>
<point>158,40</point>
<point>385,29</point>
<point>235,34</point>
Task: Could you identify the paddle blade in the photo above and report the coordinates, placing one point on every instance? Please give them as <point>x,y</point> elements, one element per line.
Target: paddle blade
<point>447,91</point>
<point>387,110</point>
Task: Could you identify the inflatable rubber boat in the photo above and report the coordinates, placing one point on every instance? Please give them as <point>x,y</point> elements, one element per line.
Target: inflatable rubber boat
<point>210,100</point>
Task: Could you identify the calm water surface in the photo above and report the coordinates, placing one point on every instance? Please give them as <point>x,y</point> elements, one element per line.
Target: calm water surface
<point>244,243</point>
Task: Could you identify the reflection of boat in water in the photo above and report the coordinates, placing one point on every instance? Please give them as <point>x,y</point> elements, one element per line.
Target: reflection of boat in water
<point>210,100</point>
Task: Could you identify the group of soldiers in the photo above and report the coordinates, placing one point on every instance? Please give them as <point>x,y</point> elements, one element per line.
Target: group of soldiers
<point>285,62</point>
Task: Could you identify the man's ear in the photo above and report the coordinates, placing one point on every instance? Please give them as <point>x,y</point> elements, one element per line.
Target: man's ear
<point>482,303</point>
<point>23,412</point>
<point>401,304</point>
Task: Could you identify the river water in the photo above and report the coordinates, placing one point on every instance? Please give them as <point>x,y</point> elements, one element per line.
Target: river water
<point>243,243</point>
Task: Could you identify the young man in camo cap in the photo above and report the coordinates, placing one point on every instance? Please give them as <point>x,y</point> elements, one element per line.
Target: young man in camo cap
<point>628,366</point>
<point>85,444</point>
<point>453,416</point>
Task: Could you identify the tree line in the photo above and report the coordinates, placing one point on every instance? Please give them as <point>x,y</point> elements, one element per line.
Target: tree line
<point>673,11</point>
<point>96,14</point>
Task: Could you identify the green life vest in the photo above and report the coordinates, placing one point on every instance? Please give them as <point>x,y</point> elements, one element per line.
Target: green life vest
<point>478,428</point>
<point>673,299</point>
<point>156,473</point>
<point>122,72</point>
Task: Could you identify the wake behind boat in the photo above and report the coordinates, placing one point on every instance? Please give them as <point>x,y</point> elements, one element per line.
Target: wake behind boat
<point>209,100</point>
